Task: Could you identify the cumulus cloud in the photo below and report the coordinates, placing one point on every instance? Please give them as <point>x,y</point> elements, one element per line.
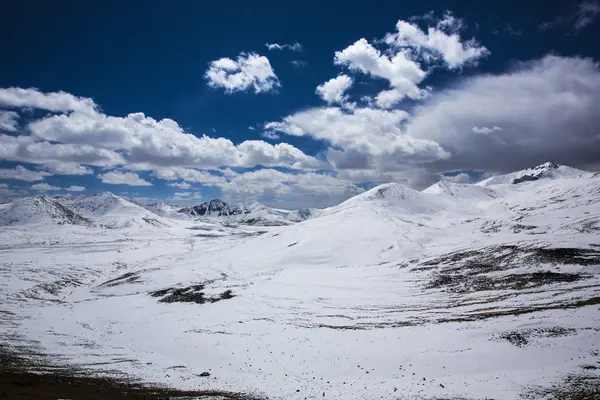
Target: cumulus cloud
<point>148,143</point>
<point>75,188</point>
<point>408,48</point>
<point>8,121</point>
<point>180,185</point>
<point>333,90</point>
<point>547,109</point>
<point>123,178</point>
<point>257,152</point>
<point>290,190</point>
<point>44,187</point>
<point>291,46</point>
<point>439,42</point>
<point>28,149</point>
<point>458,178</point>
<point>484,130</point>
<point>400,70</point>
<point>21,173</point>
<point>362,138</point>
<point>15,97</point>
<point>249,71</point>
<point>188,175</point>
<point>228,172</point>
<point>61,168</point>
<point>270,134</point>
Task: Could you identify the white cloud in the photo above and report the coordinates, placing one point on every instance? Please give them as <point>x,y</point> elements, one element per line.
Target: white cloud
<point>387,98</point>
<point>299,63</point>
<point>67,143</point>
<point>7,193</point>
<point>61,168</point>
<point>186,194</point>
<point>400,70</point>
<point>75,188</point>
<point>8,121</point>
<point>412,176</point>
<point>149,143</point>
<point>21,173</point>
<point>586,13</point>
<point>407,48</point>
<point>180,185</point>
<point>333,90</point>
<point>458,178</point>
<point>367,137</point>
<point>364,129</point>
<point>53,101</point>
<point>44,187</point>
<point>484,130</point>
<point>186,197</point>
<point>257,152</point>
<point>292,46</point>
<point>251,128</point>
<point>28,149</point>
<point>290,190</point>
<point>440,42</point>
<point>270,134</point>
<point>249,71</point>
<point>188,175</point>
<point>579,16</point>
<point>123,178</point>
<point>547,108</point>
<point>370,175</point>
<point>228,172</point>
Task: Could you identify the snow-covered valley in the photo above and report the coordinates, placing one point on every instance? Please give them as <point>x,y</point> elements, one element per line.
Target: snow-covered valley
<point>473,291</point>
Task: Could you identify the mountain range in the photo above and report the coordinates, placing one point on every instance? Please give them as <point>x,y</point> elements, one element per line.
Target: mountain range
<point>457,291</point>
<point>111,211</point>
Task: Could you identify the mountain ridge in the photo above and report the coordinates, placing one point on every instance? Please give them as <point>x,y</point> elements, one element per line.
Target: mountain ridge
<point>112,211</point>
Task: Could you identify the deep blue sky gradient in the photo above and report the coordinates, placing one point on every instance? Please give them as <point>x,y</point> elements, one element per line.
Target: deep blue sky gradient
<point>150,56</point>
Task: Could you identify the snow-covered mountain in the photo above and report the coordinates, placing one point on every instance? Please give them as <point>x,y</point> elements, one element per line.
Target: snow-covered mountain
<point>547,170</point>
<point>165,210</point>
<point>111,211</point>
<point>38,210</point>
<point>213,208</point>
<point>248,213</point>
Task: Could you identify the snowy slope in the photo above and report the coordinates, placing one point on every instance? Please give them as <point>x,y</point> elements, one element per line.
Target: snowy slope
<point>38,210</point>
<point>547,170</point>
<point>303,214</point>
<point>462,191</point>
<point>458,291</point>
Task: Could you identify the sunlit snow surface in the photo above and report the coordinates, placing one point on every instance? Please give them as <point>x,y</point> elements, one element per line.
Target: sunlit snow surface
<point>449,292</point>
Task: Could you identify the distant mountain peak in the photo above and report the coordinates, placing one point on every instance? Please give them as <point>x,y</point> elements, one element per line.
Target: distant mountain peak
<point>549,170</point>
<point>39,209</point>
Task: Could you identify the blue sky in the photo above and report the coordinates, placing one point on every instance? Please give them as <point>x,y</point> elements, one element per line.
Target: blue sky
<point>409,92</point>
